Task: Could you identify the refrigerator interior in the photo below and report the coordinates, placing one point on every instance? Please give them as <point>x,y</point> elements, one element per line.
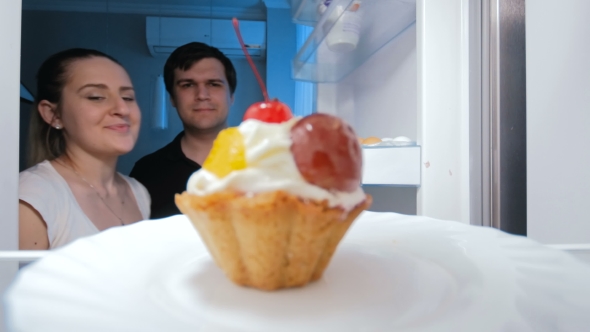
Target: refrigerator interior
<point>372,86</point>
<point>379,99</point>
<point>410,74</point>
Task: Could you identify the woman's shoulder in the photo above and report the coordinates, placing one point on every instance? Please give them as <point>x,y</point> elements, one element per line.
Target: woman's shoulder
<point>136,186</point>
<point>132,181</point>
<point>43,188</point>
<point>42,173</point>
<point>142,196</point>
<point>41,183</point>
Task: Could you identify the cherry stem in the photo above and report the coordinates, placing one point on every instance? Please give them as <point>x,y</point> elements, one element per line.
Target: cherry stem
<point>260,82</point>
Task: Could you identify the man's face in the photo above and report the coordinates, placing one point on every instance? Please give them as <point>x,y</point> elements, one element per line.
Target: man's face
<point>202,96</point>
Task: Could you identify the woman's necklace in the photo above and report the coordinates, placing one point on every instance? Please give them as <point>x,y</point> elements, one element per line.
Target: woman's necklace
<point>94,188</point>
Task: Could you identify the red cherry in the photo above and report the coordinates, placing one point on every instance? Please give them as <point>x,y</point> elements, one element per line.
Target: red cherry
<point>327,152</point>
<point>269,111</point>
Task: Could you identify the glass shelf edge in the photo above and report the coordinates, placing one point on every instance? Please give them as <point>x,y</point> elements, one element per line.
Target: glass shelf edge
<point>305,65</point>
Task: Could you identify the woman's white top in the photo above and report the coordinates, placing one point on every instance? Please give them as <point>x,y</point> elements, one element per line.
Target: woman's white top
<point>47,191</point>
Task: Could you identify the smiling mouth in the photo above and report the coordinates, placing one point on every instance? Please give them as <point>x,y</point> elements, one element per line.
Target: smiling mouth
<point>119,128</point>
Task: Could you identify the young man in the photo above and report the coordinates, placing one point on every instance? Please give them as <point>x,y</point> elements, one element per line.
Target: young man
<point>201,82</point>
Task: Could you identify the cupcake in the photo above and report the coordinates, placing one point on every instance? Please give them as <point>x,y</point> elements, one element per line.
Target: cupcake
<point>273,200</point>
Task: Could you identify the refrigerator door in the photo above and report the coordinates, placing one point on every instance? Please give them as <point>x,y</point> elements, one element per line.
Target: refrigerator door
<point>558,122</point>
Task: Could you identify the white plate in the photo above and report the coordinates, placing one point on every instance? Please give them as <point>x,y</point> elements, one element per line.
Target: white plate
<point>390,273</point>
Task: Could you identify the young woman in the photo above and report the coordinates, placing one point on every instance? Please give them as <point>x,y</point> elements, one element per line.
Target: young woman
<point>85,117</point>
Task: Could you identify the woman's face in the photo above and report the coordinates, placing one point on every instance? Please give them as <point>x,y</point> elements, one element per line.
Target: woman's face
<point>98,110</point>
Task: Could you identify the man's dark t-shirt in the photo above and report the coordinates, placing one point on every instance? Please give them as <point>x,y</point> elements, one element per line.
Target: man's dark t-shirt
<point>165,173</point>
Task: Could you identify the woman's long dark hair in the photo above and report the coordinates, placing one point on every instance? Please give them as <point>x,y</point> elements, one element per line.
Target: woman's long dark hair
<point>46,142</point>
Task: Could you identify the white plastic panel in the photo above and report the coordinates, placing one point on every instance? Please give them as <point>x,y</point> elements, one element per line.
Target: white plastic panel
<point>152,31</point>
<point>165,34</point>
<point>224,36</point>
<point>10,33</point>
<point>176,31</point>
<point>443,108</point>
<point>392,166</point>
<point>558,121</point>
<point>10,24</point>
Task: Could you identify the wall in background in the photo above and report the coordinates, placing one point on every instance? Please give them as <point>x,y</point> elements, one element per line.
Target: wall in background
<point>123,37</point>
<point>282,47</point>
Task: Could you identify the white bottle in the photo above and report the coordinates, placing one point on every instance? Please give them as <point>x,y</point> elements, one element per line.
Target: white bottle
<point>344,35</point>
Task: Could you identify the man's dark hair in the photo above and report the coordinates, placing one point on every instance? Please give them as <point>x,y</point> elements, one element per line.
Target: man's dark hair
<point>186,55</point>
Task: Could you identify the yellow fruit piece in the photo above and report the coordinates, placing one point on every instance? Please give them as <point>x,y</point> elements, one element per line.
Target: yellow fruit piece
<point>228,153</point>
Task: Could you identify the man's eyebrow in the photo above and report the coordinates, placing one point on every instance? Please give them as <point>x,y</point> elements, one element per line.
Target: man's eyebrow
<point>189,80</point>
<point>184,80</point>
<point>216,80</point>
<point>126,88</point>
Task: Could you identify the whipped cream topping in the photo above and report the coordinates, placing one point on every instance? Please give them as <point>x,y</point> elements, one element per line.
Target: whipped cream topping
<point>270,167</point>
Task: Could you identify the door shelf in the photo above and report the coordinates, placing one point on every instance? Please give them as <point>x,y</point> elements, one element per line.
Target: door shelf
<point>333,49</point>
<point>305,12</point>
<point>392,166</point>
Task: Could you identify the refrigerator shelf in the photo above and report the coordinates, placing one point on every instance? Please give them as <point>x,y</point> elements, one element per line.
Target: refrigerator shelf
<point>397,166</point>
<point>305,12</point>
<point>341,41</point>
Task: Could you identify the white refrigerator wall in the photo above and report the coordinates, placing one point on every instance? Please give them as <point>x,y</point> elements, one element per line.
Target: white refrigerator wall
<point>10,24</point>
<point>558,121</point>
<point>417,86</point>
<point>443,108</point>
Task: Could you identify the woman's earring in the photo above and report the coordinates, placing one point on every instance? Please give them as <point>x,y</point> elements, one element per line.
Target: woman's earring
<point>58,127</point>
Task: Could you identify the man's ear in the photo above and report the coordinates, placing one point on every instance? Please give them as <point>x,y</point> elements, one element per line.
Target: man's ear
<point>48,112</point>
